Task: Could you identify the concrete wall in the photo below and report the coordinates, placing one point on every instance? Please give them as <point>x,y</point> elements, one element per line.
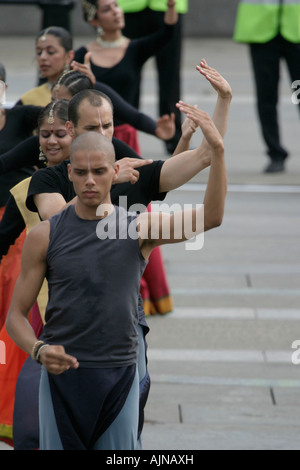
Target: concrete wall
<point>206,18</point>
<point>210,18</point>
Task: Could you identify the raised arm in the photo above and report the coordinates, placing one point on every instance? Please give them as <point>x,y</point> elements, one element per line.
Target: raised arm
<point>187,224</point>
<point>223,89</point>
<point>183,166</point>
<point>188,129</point>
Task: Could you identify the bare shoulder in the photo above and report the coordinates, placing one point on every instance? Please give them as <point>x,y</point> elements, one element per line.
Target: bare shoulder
<point>37,240</point>
<point>40,230</point>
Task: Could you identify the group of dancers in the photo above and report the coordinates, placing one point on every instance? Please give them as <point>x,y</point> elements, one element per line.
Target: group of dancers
<point>90,91</point>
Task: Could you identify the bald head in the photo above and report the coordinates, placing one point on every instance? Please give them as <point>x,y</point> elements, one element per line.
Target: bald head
<point>91,141</point>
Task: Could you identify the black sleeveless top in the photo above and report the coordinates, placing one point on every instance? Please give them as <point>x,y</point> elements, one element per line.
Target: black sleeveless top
<point>94,282</point>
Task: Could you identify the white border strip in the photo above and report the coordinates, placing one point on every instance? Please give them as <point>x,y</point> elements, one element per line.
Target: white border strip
<point>245,188</point>
<point>268,314</point>
<point>221,356</point>
<point>223,381</point>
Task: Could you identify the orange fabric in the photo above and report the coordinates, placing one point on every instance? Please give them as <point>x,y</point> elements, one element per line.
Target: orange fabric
<point>9,272</point>
<point>154,286</point>
<point>9,372</point>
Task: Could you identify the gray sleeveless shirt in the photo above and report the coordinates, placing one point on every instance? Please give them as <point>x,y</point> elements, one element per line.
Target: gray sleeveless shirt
<point>94,273</point>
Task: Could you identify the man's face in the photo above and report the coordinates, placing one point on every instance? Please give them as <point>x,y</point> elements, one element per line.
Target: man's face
<point>94,118</point>
<point>92,175</point>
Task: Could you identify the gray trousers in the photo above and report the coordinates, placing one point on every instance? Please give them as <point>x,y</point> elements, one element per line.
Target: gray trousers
<point>121,435</point>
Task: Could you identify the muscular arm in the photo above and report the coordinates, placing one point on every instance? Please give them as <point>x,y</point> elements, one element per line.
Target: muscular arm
<point>27,287</point>
<point>49,204</point>
<point>189,223</point>
<point>179,169</point>
<point>33,269</point>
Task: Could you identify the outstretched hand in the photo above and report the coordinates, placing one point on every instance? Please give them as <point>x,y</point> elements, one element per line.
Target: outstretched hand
<point>188,127</point>
<point>56,361</point>
<point>218,82</point>
<point>165,129</point>
<point>85,68</point>
<point>205,122</point>
<point>128,169</point>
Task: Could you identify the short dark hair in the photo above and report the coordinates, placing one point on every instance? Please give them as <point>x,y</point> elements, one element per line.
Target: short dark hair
<point>94,97</point>
<point>2,72</point>
<point>93,141</point>
<point>63,35</point>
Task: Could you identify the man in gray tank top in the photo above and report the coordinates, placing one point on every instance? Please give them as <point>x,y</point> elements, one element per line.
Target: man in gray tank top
<point>89,390</point>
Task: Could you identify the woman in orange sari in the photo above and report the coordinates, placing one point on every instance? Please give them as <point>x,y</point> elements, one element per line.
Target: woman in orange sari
<point>55,145</point>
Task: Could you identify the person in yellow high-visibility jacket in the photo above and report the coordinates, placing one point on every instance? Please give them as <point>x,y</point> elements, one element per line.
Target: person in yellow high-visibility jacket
<point>272,29</point>
<point>143,17</point>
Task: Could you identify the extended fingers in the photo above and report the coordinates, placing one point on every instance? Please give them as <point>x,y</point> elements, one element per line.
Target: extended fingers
<point>137,163</point>
<point>188,108</point>
<point>205,67</point>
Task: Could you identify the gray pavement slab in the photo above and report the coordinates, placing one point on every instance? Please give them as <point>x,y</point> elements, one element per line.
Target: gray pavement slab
<point>220,437</point>
<point>221,368</point>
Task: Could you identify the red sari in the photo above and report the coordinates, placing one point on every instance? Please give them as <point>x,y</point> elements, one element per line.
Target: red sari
<point>154,285</point>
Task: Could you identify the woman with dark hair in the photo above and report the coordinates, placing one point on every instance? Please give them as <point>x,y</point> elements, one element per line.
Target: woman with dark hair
<point>54,53</point>
<point>54,56</point>
<point>55,145</point>
<point>117,60</point>
<point>67,85</point>
<point>16,125</point>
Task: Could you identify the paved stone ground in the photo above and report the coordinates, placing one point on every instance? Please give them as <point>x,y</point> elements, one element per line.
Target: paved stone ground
<point>221,363</point>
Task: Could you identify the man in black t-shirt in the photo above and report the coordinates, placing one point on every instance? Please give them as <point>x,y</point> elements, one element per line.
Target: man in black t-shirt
<point>50,189</point>
<point>141,181</point>
<point>86,413</point>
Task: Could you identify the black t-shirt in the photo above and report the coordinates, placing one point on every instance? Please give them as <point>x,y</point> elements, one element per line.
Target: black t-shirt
<point>56,180</point>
